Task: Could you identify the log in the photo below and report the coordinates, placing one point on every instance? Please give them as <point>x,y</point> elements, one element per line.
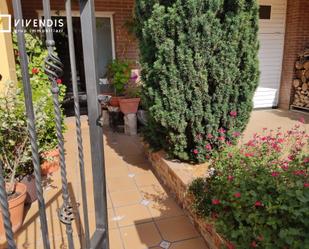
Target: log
<point>296,83</point>
<point>306,74</point>
<point>299,65</point>
<point>306,65</point>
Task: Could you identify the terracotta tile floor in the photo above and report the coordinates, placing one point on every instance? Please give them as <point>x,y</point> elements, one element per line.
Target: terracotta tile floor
<point>141,213</point>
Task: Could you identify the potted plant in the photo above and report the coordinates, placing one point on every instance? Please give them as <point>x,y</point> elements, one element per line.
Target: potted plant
<point>130,102</point>
<point>118,74</point>
<point>43,103</point>
<point>15,153</point>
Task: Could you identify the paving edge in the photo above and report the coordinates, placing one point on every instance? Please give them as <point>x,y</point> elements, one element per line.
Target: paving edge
<point>173,181</point>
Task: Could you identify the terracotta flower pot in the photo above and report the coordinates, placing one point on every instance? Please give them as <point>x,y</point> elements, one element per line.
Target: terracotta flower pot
<point>29,181</point>
<point>51,162</point>
<point>128,106</point>
<point>114,101</point>
<point>16,209</point>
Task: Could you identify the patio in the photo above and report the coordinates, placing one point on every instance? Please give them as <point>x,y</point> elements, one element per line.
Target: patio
<point>141,213</point>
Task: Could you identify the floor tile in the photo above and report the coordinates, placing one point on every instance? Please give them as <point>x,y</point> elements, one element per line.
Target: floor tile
<point>197,243</point>
<point>121,184</point>
<point>134,214</point>
<point>153,192</point>
<point>146,179</point>
<point>165,208</point>
<point>178,228</point>
<point>125,198</point>
<point>118,172</point>
<point>140,236</point>
<point>115,239</point>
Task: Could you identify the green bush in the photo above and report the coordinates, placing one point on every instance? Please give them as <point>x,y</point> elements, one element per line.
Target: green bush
<point>257,194</point>
<point>118,74</point>
<point>200,70</point>
<point>41,91</point>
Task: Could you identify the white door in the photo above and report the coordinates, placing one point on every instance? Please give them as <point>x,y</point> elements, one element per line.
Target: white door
<point>271,36</point>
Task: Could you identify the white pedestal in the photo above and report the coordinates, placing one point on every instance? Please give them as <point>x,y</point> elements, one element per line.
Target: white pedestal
<point>130,124</point>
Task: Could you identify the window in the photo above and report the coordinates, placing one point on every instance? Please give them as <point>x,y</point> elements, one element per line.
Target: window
<point>265,12</point>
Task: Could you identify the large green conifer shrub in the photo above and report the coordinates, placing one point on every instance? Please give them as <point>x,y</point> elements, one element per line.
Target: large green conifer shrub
<point>200,71</point>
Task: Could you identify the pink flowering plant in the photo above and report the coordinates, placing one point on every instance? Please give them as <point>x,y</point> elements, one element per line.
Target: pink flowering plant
<point>257,193</point>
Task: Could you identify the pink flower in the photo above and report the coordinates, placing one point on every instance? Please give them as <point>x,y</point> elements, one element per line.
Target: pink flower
<point>228,143</point>
<point>222,138</point>
<point>306,185</point>
<point>210,136</point>
<point>306,160</point>
<point>264,129</point>
<point>275,174</point>
<point>233,114</point>
<point>253,244</point>
<point>230,178</point>
<point>301,120</point>
<point>236,134</point>
<point>215,202</point>
<point>221,131</point>
<point>280,140</point>
<point>195,151</point>
<point>59,81</point>
<point>237,195</point>
<point>208,147</point>
<point>258,204</point>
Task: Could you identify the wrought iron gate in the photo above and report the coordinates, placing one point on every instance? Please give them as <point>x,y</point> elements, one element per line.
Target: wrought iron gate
<point>53,68</point>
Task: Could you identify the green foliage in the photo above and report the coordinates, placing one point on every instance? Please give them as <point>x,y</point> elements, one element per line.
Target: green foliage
<point>257,194</point>
<point>41,93</point>
<point>15,151</point>
<point>199,68</point>
<point>118,74</point>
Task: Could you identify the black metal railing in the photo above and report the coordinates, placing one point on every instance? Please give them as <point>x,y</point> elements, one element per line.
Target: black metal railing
<point>53,68</point>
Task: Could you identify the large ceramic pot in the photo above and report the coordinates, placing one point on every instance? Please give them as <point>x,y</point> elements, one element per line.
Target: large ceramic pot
<point>16,209</point>
<point>128,106</point>
<point>51,161</point>
<point>114,101</point>
<point>29,181</point>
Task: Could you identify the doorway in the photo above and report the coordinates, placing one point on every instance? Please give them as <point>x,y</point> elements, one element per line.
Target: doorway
<point>105,54</point>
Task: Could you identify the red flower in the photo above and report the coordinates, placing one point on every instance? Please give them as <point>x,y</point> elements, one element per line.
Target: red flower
<point>299,172</point>
<point>221,131</point>
<point>230,245</point>
<point>280,140</point>
<point>233,114</point>
<point>59,81</point>
<point>306,160</point>
<point>237,195</point>
<point>230,178</point>
<point>275,174</point>
<point>208,147</point>
<point>195,151</point>
<point>258,204</point>
<point>215,202</point>
<point>251,154</point>
<point>306,185</point>
<point>253,244</point>
<point>35,70</point>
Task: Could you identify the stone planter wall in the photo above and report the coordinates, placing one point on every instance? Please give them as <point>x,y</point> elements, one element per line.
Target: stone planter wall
<point>176,177</point>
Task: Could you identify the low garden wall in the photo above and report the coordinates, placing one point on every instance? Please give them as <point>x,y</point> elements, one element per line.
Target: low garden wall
<point>176,177</point>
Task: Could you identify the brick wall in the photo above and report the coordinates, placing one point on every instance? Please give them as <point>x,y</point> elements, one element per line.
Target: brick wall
<point>126,46</point>
<point>296,39</point>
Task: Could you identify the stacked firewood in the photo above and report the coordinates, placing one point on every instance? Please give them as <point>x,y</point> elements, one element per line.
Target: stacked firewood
<point>301,81</point>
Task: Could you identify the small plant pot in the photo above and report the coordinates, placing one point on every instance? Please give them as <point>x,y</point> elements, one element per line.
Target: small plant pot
<point>16,209</point>
<point>128,106</point>
<point>29,181</point>
<point>51,162</point>
<point>114,101</point>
